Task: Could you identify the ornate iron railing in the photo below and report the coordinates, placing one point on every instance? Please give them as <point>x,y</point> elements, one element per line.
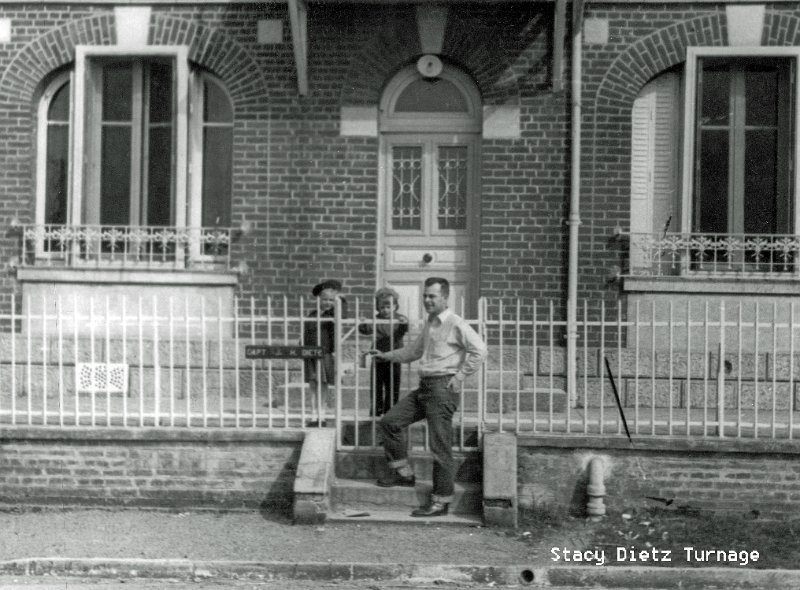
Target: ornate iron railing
<point>671,254</point>
<point>134,247</point>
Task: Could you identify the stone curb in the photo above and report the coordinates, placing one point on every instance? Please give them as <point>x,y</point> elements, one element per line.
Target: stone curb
<point>503,575</point>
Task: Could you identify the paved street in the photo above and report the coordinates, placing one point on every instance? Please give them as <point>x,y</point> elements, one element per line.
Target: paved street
<point>13,583</point>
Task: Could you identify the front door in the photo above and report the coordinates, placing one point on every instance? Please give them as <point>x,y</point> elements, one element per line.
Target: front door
<point>430,216</point>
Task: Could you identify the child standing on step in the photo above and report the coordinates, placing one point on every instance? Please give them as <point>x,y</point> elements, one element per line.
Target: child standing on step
<point>320,330</point>
<point>390,328</point>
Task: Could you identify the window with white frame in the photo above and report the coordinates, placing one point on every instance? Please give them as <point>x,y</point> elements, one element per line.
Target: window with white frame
<point>134,145</point>
<point>728,203</point>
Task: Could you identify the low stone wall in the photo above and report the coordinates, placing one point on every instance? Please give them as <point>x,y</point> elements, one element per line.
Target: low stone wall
<point>736,476</point>
<point>252,469</point>
<point>176,468</point>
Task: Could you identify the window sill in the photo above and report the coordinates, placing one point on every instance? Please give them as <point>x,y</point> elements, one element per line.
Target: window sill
<point>721,285</point>
<point>126,276</point>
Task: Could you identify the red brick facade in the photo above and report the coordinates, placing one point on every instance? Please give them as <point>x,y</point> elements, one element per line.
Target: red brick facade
<point>311,194</point>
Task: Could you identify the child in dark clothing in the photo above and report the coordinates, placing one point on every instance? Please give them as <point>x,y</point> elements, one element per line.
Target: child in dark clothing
<point>388,336</point>
<point>321,374</point>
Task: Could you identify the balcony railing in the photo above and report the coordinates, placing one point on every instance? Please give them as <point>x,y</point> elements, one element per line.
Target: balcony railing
<point>702,254</point>
<point>126,247</point>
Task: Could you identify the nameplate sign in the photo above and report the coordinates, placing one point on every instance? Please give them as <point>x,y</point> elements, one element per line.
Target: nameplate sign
<point>282,352</point>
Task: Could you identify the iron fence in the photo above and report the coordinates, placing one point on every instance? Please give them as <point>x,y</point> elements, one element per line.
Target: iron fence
<point>711,370</point>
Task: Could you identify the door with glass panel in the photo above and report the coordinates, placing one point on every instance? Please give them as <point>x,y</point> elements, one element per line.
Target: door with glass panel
<point>430,216</point>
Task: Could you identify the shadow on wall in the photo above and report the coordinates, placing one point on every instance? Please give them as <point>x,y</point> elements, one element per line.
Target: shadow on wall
<point>279,499</point>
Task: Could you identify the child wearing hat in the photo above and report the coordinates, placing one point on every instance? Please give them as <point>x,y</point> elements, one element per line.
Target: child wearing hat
<point>319,330</point>
<point>388,336</point>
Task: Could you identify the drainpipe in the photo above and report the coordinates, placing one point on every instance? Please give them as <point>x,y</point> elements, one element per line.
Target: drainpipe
<point>574,221</point>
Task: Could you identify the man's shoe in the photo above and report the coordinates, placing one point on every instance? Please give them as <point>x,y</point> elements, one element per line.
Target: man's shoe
<point>395,479</point>
<point>432,509</point>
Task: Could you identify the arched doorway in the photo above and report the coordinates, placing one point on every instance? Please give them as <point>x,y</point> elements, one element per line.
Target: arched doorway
<point>430,131</point>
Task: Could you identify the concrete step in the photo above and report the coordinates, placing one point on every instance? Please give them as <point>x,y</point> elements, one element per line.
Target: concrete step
<point>366,438</point>
<point>363,494</point>
<point>342,516</point>
<point>370,465</point>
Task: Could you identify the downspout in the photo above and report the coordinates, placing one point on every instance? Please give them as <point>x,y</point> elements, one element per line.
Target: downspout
<point>574,221</point>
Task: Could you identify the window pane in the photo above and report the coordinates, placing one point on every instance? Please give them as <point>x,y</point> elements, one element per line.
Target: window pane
<point>217,156</point>
<point>760,212</point>
<point>761,94</point>
<point>712,185</point>
<point>115,176</point>
<point>56,179</point>
<point>452,165</point>
<point>217,107</point>
<point>406,187</point>
<point>716,93</point>
<point>431,96</point>
<point>117,96</point>
<point>159,177</point>
<point>160,92</point>
<point>59,105</point>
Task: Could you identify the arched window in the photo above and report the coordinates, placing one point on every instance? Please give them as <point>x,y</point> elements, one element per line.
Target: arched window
<point>148,164</point>
<point>53,152</point>
<point>213,151</point>
<point>436,95</point>
<point>713,165</point>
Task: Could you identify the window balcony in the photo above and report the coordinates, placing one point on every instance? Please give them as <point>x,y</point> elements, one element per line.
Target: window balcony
<point>706,255</point>
<point>136,248</point>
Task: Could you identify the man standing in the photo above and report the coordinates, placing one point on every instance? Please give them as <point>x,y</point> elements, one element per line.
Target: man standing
<point>449,350</point>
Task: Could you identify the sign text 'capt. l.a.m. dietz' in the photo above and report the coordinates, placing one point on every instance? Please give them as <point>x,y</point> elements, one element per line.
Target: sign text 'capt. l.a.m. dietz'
<point>257,351</point>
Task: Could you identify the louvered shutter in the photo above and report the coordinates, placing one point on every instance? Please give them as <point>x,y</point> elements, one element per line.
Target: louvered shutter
<point>654,151</point>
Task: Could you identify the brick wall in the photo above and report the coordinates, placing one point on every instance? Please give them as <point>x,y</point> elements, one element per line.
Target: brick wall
<point>309,194</point>
<point>641,44</point>
<point>149,467</point>
<point>736,476</point>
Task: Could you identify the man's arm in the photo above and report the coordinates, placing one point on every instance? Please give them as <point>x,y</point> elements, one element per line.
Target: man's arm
<point>407,354</point>
<point>475,348</point>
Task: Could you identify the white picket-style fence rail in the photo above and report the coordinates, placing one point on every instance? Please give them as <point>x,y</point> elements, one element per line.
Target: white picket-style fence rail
<point>183,363</point>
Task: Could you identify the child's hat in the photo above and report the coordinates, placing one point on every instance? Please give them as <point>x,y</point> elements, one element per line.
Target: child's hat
<point>327,284</point>
<point>385,293</point>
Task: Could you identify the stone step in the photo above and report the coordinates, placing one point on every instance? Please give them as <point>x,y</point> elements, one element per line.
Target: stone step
<point>370,465</point>
<point>366,438</point>
<point>342,516</point>
<point>364,494</point>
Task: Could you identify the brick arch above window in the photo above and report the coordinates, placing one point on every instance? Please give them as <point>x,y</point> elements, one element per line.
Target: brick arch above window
<point>51,51</point>
<point>781,29</point>
<point>389,51</point>
<point>212,49</point>
<point>653,54</point>
<point>216,51</point>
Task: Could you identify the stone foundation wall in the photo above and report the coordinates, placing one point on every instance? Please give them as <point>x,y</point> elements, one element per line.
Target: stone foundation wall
<point>149,467</point>
<point>735,476</point>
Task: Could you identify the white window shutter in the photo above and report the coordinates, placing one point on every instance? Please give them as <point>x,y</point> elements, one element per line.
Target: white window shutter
<point>654,147</point>
<point>665,153</point>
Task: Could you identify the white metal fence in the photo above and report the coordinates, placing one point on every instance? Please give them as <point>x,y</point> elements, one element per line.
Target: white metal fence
<point>694,370</point>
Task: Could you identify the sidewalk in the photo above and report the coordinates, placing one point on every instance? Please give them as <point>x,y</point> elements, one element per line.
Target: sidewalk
<point>253,545</point>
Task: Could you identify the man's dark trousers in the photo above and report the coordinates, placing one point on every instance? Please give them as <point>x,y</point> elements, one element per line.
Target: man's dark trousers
<point>433,401</point>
